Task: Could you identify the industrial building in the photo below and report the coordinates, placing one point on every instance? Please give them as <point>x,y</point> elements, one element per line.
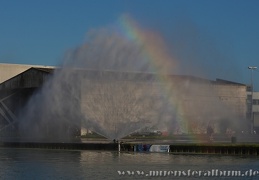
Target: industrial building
<point>197,100</point>
<point>254,110</point>
<point>18,84</point>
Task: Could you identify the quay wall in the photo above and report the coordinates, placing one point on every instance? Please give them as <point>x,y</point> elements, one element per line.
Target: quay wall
<point>68,146</point>
<point>219,149</point>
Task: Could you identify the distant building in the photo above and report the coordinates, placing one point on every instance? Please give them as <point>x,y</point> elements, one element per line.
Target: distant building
<point>255,109</point>
<point>194,103</point>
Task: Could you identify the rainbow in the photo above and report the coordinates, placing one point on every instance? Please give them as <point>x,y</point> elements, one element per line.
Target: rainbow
<point>158,56</point>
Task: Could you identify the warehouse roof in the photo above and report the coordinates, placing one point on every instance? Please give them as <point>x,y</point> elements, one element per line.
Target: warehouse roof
<point>36,76</point>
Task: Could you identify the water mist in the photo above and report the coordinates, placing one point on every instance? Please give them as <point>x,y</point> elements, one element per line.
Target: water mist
<point>109,86</point>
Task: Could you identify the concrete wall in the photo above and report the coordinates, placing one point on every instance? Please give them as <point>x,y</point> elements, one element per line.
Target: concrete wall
<point>234,96</point>
<point>191,104</point>
<point>256,110</point>
<point>255,101</point>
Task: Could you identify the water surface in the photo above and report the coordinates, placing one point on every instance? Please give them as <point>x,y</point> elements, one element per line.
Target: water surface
<point>67,164</point>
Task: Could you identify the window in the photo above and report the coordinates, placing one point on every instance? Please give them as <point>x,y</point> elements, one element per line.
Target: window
<point>255,101</point>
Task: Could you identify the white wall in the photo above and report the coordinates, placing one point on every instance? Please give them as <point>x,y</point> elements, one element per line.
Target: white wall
<point>256,106</point>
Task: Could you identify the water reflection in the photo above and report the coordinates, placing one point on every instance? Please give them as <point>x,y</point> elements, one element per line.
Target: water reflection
<point>63,164</point>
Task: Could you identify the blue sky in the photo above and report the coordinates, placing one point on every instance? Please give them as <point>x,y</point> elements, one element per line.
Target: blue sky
<point>218,37</point>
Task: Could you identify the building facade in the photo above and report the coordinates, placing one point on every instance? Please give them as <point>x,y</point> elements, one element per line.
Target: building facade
<point>254,109</point>
<point>115,104</point>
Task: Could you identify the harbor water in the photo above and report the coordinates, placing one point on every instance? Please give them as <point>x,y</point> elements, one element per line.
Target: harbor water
<point>77,164</point>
